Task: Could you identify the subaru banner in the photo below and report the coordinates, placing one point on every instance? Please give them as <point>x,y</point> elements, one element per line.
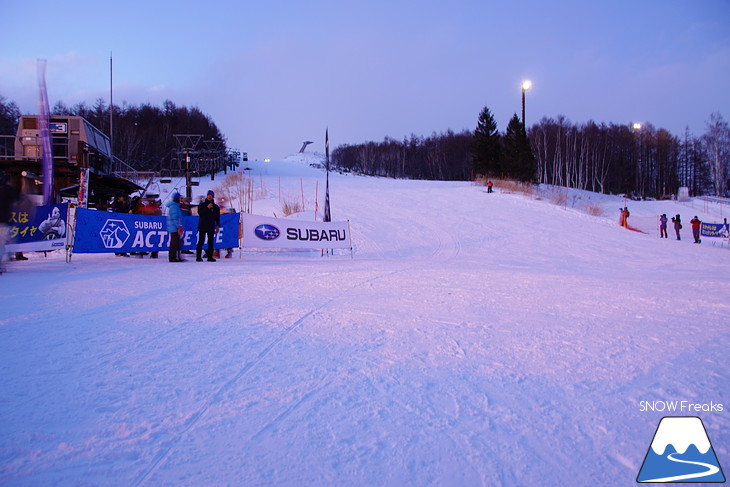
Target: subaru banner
<point>101,231</point>
<point>263,232</point>
<point>40,228</point>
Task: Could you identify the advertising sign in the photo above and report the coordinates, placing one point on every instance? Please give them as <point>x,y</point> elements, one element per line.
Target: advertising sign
<point>266,233</point>
<point>719,230</point>
<point>101,231</point>
<point>41,229</point>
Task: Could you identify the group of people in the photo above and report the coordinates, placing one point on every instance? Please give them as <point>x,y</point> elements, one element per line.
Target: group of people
<point>209,222</point>
<point>677,222</point>
<point>139,206</point>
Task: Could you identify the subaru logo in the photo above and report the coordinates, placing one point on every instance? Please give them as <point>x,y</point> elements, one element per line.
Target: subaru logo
<point>267,232</point>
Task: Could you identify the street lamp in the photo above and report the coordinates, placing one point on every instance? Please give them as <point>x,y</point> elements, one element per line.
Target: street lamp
<point>526,85</point>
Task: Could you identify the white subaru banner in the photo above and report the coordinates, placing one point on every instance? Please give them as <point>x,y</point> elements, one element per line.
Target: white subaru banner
<point>260,232</point>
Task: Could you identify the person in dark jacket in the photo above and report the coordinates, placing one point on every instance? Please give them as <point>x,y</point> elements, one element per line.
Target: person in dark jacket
<point>209,221</point>
<point>696,226</point>
<point>120,205</point>
<point>677,225</point>
<point>174,227</point>
<point>8,196</point>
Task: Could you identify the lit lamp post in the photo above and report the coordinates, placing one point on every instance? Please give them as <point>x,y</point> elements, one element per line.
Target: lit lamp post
<point>639,163</point>
<point>526,85</point>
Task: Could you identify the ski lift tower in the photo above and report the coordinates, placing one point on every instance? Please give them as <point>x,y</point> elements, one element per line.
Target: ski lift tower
<point>215,157</point>
<point>186,144</point>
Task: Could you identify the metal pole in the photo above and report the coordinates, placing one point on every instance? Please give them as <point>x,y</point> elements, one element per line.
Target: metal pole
<point>523,109</point>
<point>188,189</point>
<point>111,111</point>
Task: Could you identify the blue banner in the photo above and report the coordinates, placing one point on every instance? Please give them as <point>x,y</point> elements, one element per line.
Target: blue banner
<point>101,231</point>
<point>41,228</point>
<point>714,230</point>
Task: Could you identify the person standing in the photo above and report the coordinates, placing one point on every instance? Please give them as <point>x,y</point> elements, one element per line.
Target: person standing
<point>120,205</point>
<point>8,196</point>
<point>696,226</point>
<point>174,227</point>
<point>663,226</point>
<point>677,225</point>
<point>489,186</point>
<point>209,221</point>
<point>624,219</point>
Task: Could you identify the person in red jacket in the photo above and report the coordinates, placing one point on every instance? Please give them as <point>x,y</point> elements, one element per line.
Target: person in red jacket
<point>696,225</point>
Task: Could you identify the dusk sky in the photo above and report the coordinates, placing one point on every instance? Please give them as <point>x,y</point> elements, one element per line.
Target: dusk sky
<point>272,74</point>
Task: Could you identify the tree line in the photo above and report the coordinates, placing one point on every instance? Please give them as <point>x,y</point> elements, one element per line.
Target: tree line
<point>609,158</point>
<point>143,134</point>
<point>445,156</point>
<point>641,161</point>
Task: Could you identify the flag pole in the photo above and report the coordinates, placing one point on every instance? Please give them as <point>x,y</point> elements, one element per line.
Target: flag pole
<point>46,150</point>
<point>327,213</point>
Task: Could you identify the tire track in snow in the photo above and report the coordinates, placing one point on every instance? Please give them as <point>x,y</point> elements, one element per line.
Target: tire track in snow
<point>281,417</point>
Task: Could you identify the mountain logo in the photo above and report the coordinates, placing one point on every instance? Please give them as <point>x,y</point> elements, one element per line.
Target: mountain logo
<point>114,234</point>
<point>680,452</point>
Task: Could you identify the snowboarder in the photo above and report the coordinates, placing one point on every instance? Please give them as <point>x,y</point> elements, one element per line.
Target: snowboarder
<point>663,226</point>
<point>209,221</point>
<point>677,225</point>
<point>696,225</point>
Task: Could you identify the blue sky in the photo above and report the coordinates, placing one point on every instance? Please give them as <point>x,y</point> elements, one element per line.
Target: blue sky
<point>274,73</point>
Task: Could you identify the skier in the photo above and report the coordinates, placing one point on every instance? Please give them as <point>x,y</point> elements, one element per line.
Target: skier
<point>663,226</point>
<point>696,225</point>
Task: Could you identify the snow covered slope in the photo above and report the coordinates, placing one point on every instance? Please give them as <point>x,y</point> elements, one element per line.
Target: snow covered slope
<point>474,339</point>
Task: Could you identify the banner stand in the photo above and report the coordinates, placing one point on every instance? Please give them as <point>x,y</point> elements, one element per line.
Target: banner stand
<point>349,233</point>
<point>240,235</point>
<point>70,232</point>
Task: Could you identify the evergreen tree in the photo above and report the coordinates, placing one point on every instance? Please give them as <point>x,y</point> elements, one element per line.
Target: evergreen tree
<point>486,148</point>
<point>518,159</point>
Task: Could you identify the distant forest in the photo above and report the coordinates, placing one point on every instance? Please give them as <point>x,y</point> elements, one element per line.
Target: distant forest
<point>143,135</point>
<point>609,158</point>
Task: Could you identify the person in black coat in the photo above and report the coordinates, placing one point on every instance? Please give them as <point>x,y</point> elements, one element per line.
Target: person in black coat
<point>209,221</point>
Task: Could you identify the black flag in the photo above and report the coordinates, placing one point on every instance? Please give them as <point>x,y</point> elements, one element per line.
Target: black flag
<point>327,216</point>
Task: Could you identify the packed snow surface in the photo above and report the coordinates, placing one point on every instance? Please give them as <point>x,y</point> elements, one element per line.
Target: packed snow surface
<point>470,339</point>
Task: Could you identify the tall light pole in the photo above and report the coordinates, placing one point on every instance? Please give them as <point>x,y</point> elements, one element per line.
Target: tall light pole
<point>526,85</point>
<point>639,163</point>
